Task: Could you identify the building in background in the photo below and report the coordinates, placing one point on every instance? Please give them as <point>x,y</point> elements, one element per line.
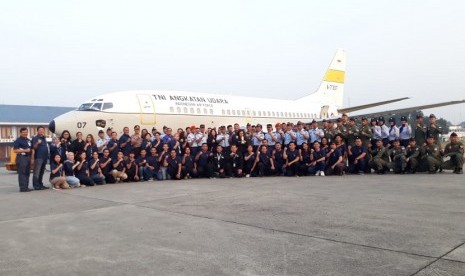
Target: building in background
<point>14,117</point>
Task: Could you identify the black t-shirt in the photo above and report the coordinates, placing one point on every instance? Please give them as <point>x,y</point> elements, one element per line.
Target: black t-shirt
<point>120,166</point>
<point>68,168</point>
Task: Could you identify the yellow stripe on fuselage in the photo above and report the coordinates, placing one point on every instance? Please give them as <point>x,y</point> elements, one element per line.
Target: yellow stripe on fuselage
<point>335,76</point>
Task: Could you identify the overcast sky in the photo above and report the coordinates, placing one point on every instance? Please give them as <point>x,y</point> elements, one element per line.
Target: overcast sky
<point>61,53</point>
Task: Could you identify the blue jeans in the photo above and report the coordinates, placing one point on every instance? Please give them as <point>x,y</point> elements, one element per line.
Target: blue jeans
<point>73,181</point>
<point>38,175</point>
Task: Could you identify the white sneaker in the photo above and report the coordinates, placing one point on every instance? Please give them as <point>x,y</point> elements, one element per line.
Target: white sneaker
<point>317,173</point>
<point>247,175</point>
<point>322,173</point>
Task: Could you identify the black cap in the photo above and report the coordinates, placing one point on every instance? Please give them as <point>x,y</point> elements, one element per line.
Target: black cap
<point>432,115</point>
<point>269,125</point>
<point>373,120</point>
<point>364,118</point>
<point>352,119</point>
<point>339,120</point>
<point>381,118</point>
<point>101,131</point>
<point>202,126</point>
<point>412,139</point>
<point>453,134</point>
<point>430,136</point>
<point>403,118</point>
<point>392,120</point>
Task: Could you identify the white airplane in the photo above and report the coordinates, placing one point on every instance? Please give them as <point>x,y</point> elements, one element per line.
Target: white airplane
<point>180,109</point>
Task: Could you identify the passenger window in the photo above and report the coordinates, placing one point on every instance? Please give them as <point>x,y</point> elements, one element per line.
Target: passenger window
<point>223,112</point>
<point>171,109</point>
<point>211,111</point>
<point>254,113</point>
<point>107,106</point>
<point>259,113</point>
<point>178,109</point>
<point>229,112</point>
<point>243,112</point>
<point>185,109</point>
<point>233,112</point>
<point>198,110</point>
<point>205,111</point>
<point>192,110</point>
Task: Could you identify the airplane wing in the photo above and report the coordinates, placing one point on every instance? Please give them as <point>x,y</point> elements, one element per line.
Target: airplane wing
<point>365,106</point>
<point>409,109</point>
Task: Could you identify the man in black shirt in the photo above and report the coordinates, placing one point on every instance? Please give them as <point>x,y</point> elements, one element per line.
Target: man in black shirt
<point>22,148</point>
<point>40,155</point>
<point>235,163</point>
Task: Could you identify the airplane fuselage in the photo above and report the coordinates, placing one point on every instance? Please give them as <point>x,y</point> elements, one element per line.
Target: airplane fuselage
<point>178,109</point>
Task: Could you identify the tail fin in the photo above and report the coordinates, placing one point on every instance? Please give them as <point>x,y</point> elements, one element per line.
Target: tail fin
<point>331,91</point>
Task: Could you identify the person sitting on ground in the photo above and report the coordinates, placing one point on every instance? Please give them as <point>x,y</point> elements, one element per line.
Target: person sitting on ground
<point>95,171</point>
<point>432,155</point>
<point>69,166</point>
<point>119,168</point>
<point>318,163</point>
<point>82,170</point>
<point>380,158</point>
<point>357,156</point>
<point>57,178</point>
<point>335,161</point>
<point>454,150</point>
<point>292,158</point>
<point>132,170</point>
<point>173,165</point>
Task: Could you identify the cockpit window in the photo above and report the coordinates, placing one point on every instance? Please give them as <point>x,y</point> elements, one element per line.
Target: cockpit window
<point>85,106</point>
<point>107,106</point>
<point>97,106</point>
<point>90,107</point>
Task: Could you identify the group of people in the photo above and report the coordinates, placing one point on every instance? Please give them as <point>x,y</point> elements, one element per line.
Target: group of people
<point>285,149</point>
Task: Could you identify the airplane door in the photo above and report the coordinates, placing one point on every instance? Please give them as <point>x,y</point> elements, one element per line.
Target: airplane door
<point>324,111</point>
<point>147,109</point>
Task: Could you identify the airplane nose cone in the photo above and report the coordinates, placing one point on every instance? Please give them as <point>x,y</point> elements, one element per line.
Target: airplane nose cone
<point>51,126</point>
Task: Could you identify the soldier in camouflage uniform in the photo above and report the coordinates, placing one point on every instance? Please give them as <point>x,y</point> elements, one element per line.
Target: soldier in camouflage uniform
<point>420,131</point>
<point>398,157</point>
<point>432,155</point>
<point>380,158</point>
<point>365,133</point>
<point>328,129</point>
<point>454,150</point>
<point>352,132</point>
<point>341,129</point>
<point>433,129</point>
<point>413,154</point>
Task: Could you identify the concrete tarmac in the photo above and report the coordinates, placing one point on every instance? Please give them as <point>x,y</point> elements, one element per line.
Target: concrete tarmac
<point>350,225</point>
